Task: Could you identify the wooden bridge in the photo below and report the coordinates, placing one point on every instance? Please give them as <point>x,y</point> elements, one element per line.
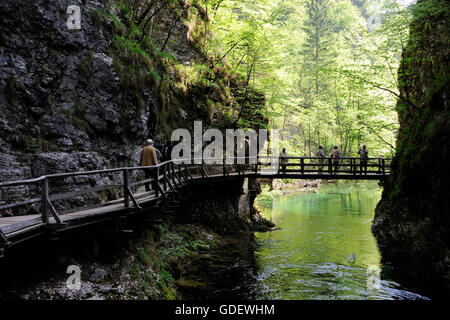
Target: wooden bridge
<point>41,212</point>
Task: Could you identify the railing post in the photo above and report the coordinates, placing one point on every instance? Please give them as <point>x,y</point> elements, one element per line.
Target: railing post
<point>176,173</point>
<point>44,200</point>
<point>156,183</point>
<point>355,166</point>
<point>384,166</point>
<point>167,168</point>
<point>223,167</point>
<point>202,168</point>
<point>302,165</point>
<point>168,173</point>
<point>165,177</point>
<point>180,174</point>
<point>126,186</point>
<point>330,166</point>
<point>174,176</point>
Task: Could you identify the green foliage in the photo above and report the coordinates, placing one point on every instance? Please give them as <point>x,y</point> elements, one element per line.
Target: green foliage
<point>166,277</point>
<point>160,257</point>
<point>28,143</point>
<point>330,77</point>
<point>318,46</point>
<point>143,49</point>
<point>34,144</point>
<point>266,197</point>
<point>199,245</point>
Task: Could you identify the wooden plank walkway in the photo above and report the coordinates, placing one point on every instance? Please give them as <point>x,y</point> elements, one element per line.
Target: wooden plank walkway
<point>168,179</point>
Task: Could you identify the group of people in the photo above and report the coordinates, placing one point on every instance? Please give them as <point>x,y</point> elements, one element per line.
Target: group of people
<point>153,154</point>
<point>156,153</point>
<point>363,154</point>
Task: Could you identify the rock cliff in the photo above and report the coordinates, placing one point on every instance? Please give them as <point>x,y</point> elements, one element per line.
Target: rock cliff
<point>73,100</point>
<point>412,221</point>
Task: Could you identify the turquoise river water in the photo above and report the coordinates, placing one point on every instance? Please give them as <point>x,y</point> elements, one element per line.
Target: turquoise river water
<point>323,250</point>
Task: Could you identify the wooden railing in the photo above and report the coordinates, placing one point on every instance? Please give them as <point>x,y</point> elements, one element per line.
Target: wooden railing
<point>169,176</point>
<point>343,166</point>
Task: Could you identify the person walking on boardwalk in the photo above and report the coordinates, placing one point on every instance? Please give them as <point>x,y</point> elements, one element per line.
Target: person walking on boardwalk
<point>336,156</point>
<point>322,156</point>
<point>159,149</point>
<point>364,157</point>
<point>284,160</point>
<point>149,158</point>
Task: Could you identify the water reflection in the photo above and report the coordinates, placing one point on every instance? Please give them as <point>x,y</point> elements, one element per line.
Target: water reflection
<point>324,251</point>
<point>325,248</point>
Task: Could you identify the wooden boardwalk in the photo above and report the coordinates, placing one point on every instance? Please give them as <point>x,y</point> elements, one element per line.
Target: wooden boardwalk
<point>167,178</point>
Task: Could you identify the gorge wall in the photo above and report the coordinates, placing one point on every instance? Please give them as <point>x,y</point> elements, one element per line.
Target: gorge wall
<point>226,207</point>
<point>412,221</point>
<point>87,100</point>
<point>73,100</point>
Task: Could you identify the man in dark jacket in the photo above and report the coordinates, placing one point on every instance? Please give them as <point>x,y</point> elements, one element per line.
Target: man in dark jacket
<point>364,157</point>
<point>336,156</point>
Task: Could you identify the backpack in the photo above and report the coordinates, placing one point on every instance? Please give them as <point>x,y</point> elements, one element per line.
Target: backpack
<point>364,154</point>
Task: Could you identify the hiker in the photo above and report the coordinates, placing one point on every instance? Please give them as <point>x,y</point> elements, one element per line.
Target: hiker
<point>364,157</point>
<point>149,158</point>
<point>159,149</point>
<point>166,152</point>
<point>322,156</point>
<point>336,158</point>
<point>284,160</point>
<point>159,156</point>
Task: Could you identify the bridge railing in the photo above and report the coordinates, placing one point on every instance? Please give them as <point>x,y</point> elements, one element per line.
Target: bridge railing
<point>72,186</point>
<point>77,190</point>
<point>74,189</point>
<point>344,165</point>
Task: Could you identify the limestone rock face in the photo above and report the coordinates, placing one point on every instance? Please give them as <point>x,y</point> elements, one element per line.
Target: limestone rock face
<point>412,223</point>
<point>226,207</point>
<point>67,105</point>
<point>61,103</point>
<point>60,94</point>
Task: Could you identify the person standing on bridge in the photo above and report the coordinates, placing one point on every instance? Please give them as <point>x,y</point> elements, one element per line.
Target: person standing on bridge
<point>284,160</point>
<point>336,156</point>
<point>322,156</point>
<point>159,149</point>
<point>364,157</point>
<point>149,158</point>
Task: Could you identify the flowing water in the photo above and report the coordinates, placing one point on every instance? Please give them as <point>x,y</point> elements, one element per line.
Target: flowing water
<point>323,250</point>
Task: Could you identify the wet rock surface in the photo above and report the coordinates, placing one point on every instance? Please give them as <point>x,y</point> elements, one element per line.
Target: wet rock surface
<point>227,207</point>
<point>412,223</point>
<point>60,97</point>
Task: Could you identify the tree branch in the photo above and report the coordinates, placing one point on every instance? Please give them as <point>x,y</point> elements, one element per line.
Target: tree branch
<point>376,133</point>
<point>386,89</point>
